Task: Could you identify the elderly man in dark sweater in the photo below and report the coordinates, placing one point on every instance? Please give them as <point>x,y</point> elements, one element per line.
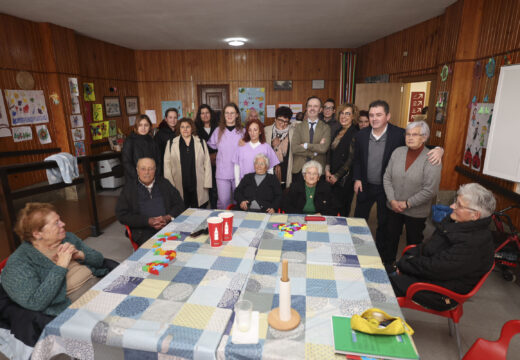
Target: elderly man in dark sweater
<point>147,204</point>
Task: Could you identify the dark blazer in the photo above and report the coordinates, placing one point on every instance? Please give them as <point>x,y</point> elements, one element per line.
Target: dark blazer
<point>341,158</point>
<point>394,139</point>
<point>268,194</point>
<point>324,199</point>
<point>127,208</point>
<point>136,147</point>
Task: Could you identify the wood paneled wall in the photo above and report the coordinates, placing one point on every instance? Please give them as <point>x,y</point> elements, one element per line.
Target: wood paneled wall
<point>467,32</point>
<point>52,54</point>
<point>174,75</point>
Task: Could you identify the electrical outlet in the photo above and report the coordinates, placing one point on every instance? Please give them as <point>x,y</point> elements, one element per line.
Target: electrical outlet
<point>438,133</point>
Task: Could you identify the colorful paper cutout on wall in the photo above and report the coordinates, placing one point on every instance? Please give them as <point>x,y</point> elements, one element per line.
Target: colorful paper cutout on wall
<point>104,129</point>
<point>43,134</point>
<point>78,134</point>
<point>95,131</point>
<point>88,92</point>
<point>112,128</point>
<point>441,107</point>
<point>4,122</point>
<point>79,147</point>
<point>73,86</point>
<point>26,106</point>
<point>22,133</point>
<point>76,121</point>
<point>74,100</point>
<point>249,99</point>
<point>477,136</point>
<point>97,109</point>
<point>165,105</point>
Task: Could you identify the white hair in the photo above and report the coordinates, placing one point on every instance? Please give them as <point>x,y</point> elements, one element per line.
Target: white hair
<point>425,129</point>
<point>479,198</point>
<point>314,164</point>
<point>263,156</point>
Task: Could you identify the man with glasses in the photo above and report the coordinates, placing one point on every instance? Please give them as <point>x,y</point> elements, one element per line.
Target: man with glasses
<point>329,115</point>
<point>311,138</point>
<point>279,135</point>
<point>147,204</point>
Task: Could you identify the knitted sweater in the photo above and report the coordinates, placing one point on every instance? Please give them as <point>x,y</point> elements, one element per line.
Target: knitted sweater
<point>418,185</point>
<point>36,283</point>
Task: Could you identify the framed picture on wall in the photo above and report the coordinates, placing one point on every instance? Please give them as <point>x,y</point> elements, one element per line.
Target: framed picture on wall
<point>112,106</point>
<point>318,84</point>
<point>282,84</point>
<point>132,105</point>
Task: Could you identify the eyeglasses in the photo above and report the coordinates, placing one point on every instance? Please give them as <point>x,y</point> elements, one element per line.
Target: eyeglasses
<point>329,108</point>
<point>348,113</point>
<point>414,135</point>
<point>459,206</point>
<point>282,121</point>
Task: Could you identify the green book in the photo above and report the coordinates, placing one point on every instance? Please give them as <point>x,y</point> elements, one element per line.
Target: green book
<point>348,341</point>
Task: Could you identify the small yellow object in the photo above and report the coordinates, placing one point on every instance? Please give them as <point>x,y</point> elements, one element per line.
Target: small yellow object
<point>376,321</point>
<point>288,235</point>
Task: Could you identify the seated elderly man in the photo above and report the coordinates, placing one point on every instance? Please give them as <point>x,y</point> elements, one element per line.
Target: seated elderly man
<point>259,191</point>
<point>458,254</point>
<point>312,195</point>
<point>148,203</point>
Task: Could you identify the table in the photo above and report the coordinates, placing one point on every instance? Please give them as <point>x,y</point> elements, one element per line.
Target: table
<point>186,310</point>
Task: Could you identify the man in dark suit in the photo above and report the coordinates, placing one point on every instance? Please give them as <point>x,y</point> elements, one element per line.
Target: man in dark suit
<point>373,147</point>
<point>148,203</point>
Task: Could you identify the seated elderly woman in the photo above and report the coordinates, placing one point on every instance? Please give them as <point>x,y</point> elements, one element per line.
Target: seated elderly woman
<point>458,254</point>
<point>312,195</point>
<point>52,268</point>
<point>259,191</point>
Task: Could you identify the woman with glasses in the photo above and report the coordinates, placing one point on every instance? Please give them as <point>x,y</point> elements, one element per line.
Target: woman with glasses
<point>279,136</point>
<point>410,182</point>
<point>457,255</point>
<point>340,157</point>
<point>225,141</point>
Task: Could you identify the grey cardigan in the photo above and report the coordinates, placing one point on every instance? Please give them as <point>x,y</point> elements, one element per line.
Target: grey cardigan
<point>418,185</point>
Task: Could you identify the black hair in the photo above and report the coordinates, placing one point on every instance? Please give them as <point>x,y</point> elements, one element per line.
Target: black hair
<point>171,109</point>
<point>284,111</point>
<point>363,113</point>
<point>381,103</point>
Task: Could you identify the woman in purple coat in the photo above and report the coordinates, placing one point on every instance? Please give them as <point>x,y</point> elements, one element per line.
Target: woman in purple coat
<point>255,144</point>
<point>225,140</point>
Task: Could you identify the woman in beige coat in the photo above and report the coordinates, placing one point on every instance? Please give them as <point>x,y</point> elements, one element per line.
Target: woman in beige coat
<point>187,165</point>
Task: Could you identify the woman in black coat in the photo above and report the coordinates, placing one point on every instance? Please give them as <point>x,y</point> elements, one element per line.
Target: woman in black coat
<point>259,191</point>
<point>312,195</point>
<point>206,122</point>
<point>140,144</point>
<point>167,129</point>
<point>341,154</point>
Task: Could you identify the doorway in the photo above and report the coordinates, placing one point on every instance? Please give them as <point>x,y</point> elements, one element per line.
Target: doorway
<point>216,96</point>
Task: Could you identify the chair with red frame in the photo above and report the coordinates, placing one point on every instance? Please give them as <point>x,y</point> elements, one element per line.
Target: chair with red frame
<point>128,233</point>
<point>2,264</point>
<point>497,350</point>
<point>507,243</point>
<point>453,314</point>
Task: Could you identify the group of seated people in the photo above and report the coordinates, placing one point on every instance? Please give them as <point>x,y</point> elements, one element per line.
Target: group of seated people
<point>312,167</point>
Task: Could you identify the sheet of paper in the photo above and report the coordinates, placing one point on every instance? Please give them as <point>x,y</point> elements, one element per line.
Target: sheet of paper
<point>152,116</point>
<point>271,111</point>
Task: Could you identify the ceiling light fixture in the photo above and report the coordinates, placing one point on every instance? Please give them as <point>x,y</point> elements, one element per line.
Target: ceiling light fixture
<point>236,41</point>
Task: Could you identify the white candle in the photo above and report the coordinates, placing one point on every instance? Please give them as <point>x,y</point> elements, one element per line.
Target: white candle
<point>285,300</point>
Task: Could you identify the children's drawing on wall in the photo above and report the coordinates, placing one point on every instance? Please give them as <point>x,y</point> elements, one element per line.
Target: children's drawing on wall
<point>88,92</point>
<point>478,132</point>
<point>43,134</point>
<point>98,112</point>
<point>441,106</point>
<point>76,121</point>
<point>22,133</point>
<point>4,123</point>
<point>74,100</point>
<point>26,106</point>
<point>251,99</point>
<point>79,146</point>
<point>73,86</point>
<point>78,134</point>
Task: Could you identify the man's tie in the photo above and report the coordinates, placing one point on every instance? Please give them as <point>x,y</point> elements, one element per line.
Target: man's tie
<point>311,132</point>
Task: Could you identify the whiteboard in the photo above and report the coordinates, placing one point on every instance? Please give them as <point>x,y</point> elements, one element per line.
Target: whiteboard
<point>503,147</point>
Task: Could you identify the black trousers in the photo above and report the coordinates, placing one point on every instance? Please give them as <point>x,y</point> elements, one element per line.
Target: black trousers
<point>365,200</point>
<point>401,283</point>
<point>344,195</point>
<point>190,198</point>
<point>394,229</point>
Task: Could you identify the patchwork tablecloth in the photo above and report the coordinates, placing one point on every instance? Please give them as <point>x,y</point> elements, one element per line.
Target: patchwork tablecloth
<point>185,311</point>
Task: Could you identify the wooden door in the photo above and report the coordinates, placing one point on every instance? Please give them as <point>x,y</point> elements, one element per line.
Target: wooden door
<point>216,96</point>
<point>389,92</point>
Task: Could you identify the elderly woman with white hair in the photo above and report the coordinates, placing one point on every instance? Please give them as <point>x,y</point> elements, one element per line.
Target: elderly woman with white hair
<point>457,255</point>
<point>312,195</point>
<point>259,191</point>
<point>411,182</point>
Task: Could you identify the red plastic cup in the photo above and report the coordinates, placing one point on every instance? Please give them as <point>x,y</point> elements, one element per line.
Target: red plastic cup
<point>215,230</point>
<point>227,227</point>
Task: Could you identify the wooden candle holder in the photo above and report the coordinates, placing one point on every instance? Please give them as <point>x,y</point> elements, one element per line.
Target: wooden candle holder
<point>274,318</point>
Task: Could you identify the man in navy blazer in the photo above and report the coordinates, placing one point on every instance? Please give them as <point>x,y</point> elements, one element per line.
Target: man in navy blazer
<point>373,147</point>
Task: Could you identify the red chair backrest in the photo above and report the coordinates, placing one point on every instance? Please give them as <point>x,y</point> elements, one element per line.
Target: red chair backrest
<point>484,349</point>
<point>129,233</point>
<point>2,264</point>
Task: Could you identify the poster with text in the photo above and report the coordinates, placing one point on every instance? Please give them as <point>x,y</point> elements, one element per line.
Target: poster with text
<point>74,100</point>
<point>88,92</point>
<point>251,99</point>
<point>73,86</point>
<point>79,147</point>
<point>22,133</point>
<point>95,131</point>
<point>97,110</point>
<point>478,132</point>
<point>26,107</point>
<point>78,134</point>
<point>4,122</point>
<point>165,105</point>
<point>43,134</point>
